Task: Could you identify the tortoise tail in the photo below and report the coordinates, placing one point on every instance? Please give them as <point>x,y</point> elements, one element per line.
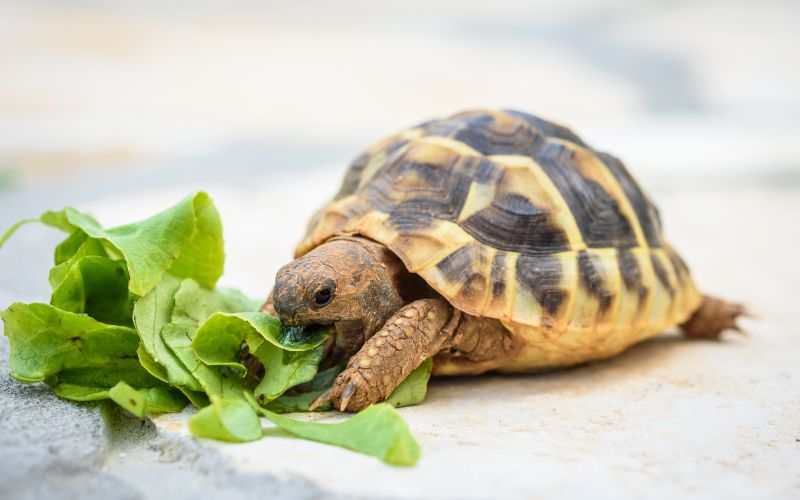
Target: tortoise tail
<point>713,317</point>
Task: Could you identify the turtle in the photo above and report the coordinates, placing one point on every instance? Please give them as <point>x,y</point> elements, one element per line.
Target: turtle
<point>490,241</point>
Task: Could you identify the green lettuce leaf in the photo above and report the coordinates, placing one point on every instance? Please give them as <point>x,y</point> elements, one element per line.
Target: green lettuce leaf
<point>80,358</point>
<point>284,369</point>
<point>229,416</point>
<point>194,304</point>
<point>151,314</point>
<point>72,249</point>
<point>198,398</point>
<point>106,376</point>
<point>185,240</point>
<point>151,365</point>
<point>167,320</point>
<point>413,389</point>
<point>300,397</point>
<point>80,392</point>
<point>158,399</point>
<point>214,358</point>
<point>97,286</point>
<point>216,383</point>
<point>175,303</point>
<point>77,244</point>
<point>218,342</point>
<point>378,431</point>
<point>232,420</point>
<point>46,340</point>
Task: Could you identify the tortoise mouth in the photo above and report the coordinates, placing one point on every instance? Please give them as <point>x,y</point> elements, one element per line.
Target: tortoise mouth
<point>301,333</point>
<point>304,333</point>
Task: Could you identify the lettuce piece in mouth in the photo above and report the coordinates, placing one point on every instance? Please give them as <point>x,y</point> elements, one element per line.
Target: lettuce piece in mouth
<point>135,317</point>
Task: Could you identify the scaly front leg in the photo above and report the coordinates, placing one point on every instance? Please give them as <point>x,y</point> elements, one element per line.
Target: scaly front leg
<point>413,334</point>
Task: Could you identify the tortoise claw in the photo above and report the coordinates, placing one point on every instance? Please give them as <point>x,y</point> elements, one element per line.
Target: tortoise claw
<point>320,400</point>
<point>347,393</point>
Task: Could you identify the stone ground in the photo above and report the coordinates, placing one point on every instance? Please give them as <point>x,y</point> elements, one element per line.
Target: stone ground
<point>122,110</point>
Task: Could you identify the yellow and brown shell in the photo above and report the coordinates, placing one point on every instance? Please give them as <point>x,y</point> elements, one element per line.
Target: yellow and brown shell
<point>512,217</point>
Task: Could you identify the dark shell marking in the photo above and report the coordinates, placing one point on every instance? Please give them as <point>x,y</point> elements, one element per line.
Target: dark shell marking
<point>595,211</point>
<point>631,273</point>
<point>548,129</point>
<point>593,280</point>
<point>541,276</point>
<point>466,264</point>
<point>498,275</point>
<point>682,274</point>
<point>661,274</point>
<point>646,212</point>
<point>513,223</point>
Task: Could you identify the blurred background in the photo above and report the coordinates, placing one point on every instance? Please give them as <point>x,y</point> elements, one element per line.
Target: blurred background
<point>108,104</point>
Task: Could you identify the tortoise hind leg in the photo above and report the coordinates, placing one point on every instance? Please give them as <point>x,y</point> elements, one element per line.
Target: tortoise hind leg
<point>479,345</point>
<point>713,317</point>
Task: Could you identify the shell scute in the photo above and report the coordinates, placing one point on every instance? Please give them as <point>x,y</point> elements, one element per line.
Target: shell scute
<point>488,133</point>
<point>597,213</point>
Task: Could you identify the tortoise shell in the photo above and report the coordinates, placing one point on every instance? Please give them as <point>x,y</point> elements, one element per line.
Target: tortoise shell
<point>513,217</point>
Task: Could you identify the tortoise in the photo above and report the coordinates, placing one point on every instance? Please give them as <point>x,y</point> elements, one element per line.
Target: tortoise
<point>489,241</point>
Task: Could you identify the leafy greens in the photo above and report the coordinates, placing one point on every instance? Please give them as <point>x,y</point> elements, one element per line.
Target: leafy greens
<point>135,317</point>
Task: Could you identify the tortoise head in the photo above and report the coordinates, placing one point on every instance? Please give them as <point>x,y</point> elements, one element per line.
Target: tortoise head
<point>342,280</point>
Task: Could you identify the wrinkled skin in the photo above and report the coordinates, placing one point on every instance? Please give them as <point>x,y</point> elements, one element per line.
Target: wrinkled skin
<point>386,324</point>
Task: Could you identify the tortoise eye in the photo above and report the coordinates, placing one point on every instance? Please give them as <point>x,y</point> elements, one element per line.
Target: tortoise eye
<point>323,297</point>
